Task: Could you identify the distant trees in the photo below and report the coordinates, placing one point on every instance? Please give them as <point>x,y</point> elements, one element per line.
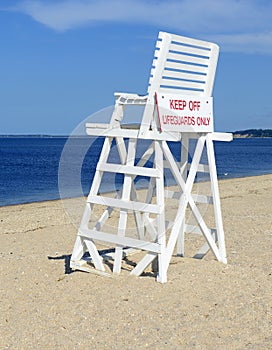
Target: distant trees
<point>253,133</point>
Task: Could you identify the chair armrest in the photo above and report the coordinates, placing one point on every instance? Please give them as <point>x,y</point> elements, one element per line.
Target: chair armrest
<point>130,99</point>
<point>221,136</point>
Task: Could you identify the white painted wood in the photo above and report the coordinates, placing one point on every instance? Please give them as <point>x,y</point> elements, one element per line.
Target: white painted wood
<point>216,201</point>
<point>201,198</point>
<point>184,199</point>
<point>167,73</point>
<point>123,204</point>
<point>143,264</point>
<point>179,63</point>
<point>221,136</point>
<point>191,50</point>
<point>172,194</point>
<point>198,70</point>
<point>97,260</point>
<point>127,169</point>
<point>149,225</point>
<point>131,133</point>
<point>123,156</point>
<point>98,125</point>
<point>192,229</point>
<point>162,273</point>
<point>122,241</point>
<point>205,248</point>
<point>126,193</point>
<point>103,158</point>
<point>186,58</point>
<point>183,171</point>
<point>79,249</point>
<point>205,230</point>
<point>83,266</point>
<point>173,165</point>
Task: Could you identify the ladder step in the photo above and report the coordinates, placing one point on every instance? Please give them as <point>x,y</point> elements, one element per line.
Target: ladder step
<point>202,168</point>
<point>201,198</point>
<point>122,204</point>
<point>128,169</point>
<point>122,241</point>
<point>172,194</point>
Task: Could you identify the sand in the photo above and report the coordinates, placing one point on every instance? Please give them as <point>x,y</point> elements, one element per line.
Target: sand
<point>204,305</point>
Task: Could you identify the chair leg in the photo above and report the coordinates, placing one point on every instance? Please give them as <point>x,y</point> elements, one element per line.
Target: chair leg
<point>216,200</point>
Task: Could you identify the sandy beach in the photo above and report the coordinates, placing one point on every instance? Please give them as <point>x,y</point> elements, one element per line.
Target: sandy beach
<point>204,305</point>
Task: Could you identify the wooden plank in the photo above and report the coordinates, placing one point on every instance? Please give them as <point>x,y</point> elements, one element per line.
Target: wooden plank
<point>188,59</point>
<point>112,132</point>
<point>162,265</point>
<point>187,188</point>
<point>126,194</point>
<point>122,241</point>
<point>172,194</point>
<point>128,169</point>
<point>184,171</point>
<point>206,232</point>
<point>130,205</point>
<point>203,199</point>
<point>83,266</point>
<point>216,201</point>
<point>184,76</point>
<point>191,50</point>
<point>173,165</point>
<point>202,168</point>
<point>186,67</point>
<point>178,85</point>
<point>98,125</point>
<point>220,136</point>
<point>205,248</point>
<point>130,133</point>
<point>186,40</point>
<point>142,265</point>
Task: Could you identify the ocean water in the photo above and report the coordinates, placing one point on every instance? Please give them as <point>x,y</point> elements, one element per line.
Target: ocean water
<point>46,168</point>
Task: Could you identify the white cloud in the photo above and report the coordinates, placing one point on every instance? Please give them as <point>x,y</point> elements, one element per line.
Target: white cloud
<point>238,25</point>
<point>256,43</point>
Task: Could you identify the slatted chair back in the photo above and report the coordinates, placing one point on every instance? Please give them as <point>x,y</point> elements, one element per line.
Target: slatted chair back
<point>183,65</point>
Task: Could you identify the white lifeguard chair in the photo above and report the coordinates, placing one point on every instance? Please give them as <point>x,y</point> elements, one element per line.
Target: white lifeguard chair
<point>177,108</point>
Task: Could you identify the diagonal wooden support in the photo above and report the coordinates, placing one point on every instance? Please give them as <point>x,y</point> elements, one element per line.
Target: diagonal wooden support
<point>177,61</point>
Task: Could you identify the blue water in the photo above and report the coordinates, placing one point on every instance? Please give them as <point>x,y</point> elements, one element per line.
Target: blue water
<point>29,166</point>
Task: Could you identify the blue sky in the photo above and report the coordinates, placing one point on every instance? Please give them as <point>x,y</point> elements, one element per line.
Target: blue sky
<point>62,60</point>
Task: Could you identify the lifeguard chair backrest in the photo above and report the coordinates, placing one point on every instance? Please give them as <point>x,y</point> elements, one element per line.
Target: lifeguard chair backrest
<point>183,65</point>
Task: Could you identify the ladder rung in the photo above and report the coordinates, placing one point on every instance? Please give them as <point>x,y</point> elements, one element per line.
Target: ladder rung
<point>172,194</point>
<point>130,205</point>
<point>202,168</point>
<point>128,169</point>
<point>201,198</point>
<point>123,241</point>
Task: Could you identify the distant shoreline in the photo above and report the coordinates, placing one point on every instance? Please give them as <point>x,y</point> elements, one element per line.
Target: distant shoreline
<point>252,133</point>
<point>242,134</point>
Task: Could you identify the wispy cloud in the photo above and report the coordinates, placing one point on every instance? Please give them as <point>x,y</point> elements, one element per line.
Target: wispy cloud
<point>238,25</point>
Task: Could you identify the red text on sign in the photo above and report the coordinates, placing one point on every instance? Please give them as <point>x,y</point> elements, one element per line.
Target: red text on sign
<point>177,104</point>
<point>194,105</point>
<point>203,121</point>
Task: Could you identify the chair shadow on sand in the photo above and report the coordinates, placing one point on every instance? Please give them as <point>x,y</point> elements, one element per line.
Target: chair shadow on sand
<point>67,258</point>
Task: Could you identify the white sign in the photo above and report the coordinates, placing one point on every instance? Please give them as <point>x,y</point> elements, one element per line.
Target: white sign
<point>185,113</point>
